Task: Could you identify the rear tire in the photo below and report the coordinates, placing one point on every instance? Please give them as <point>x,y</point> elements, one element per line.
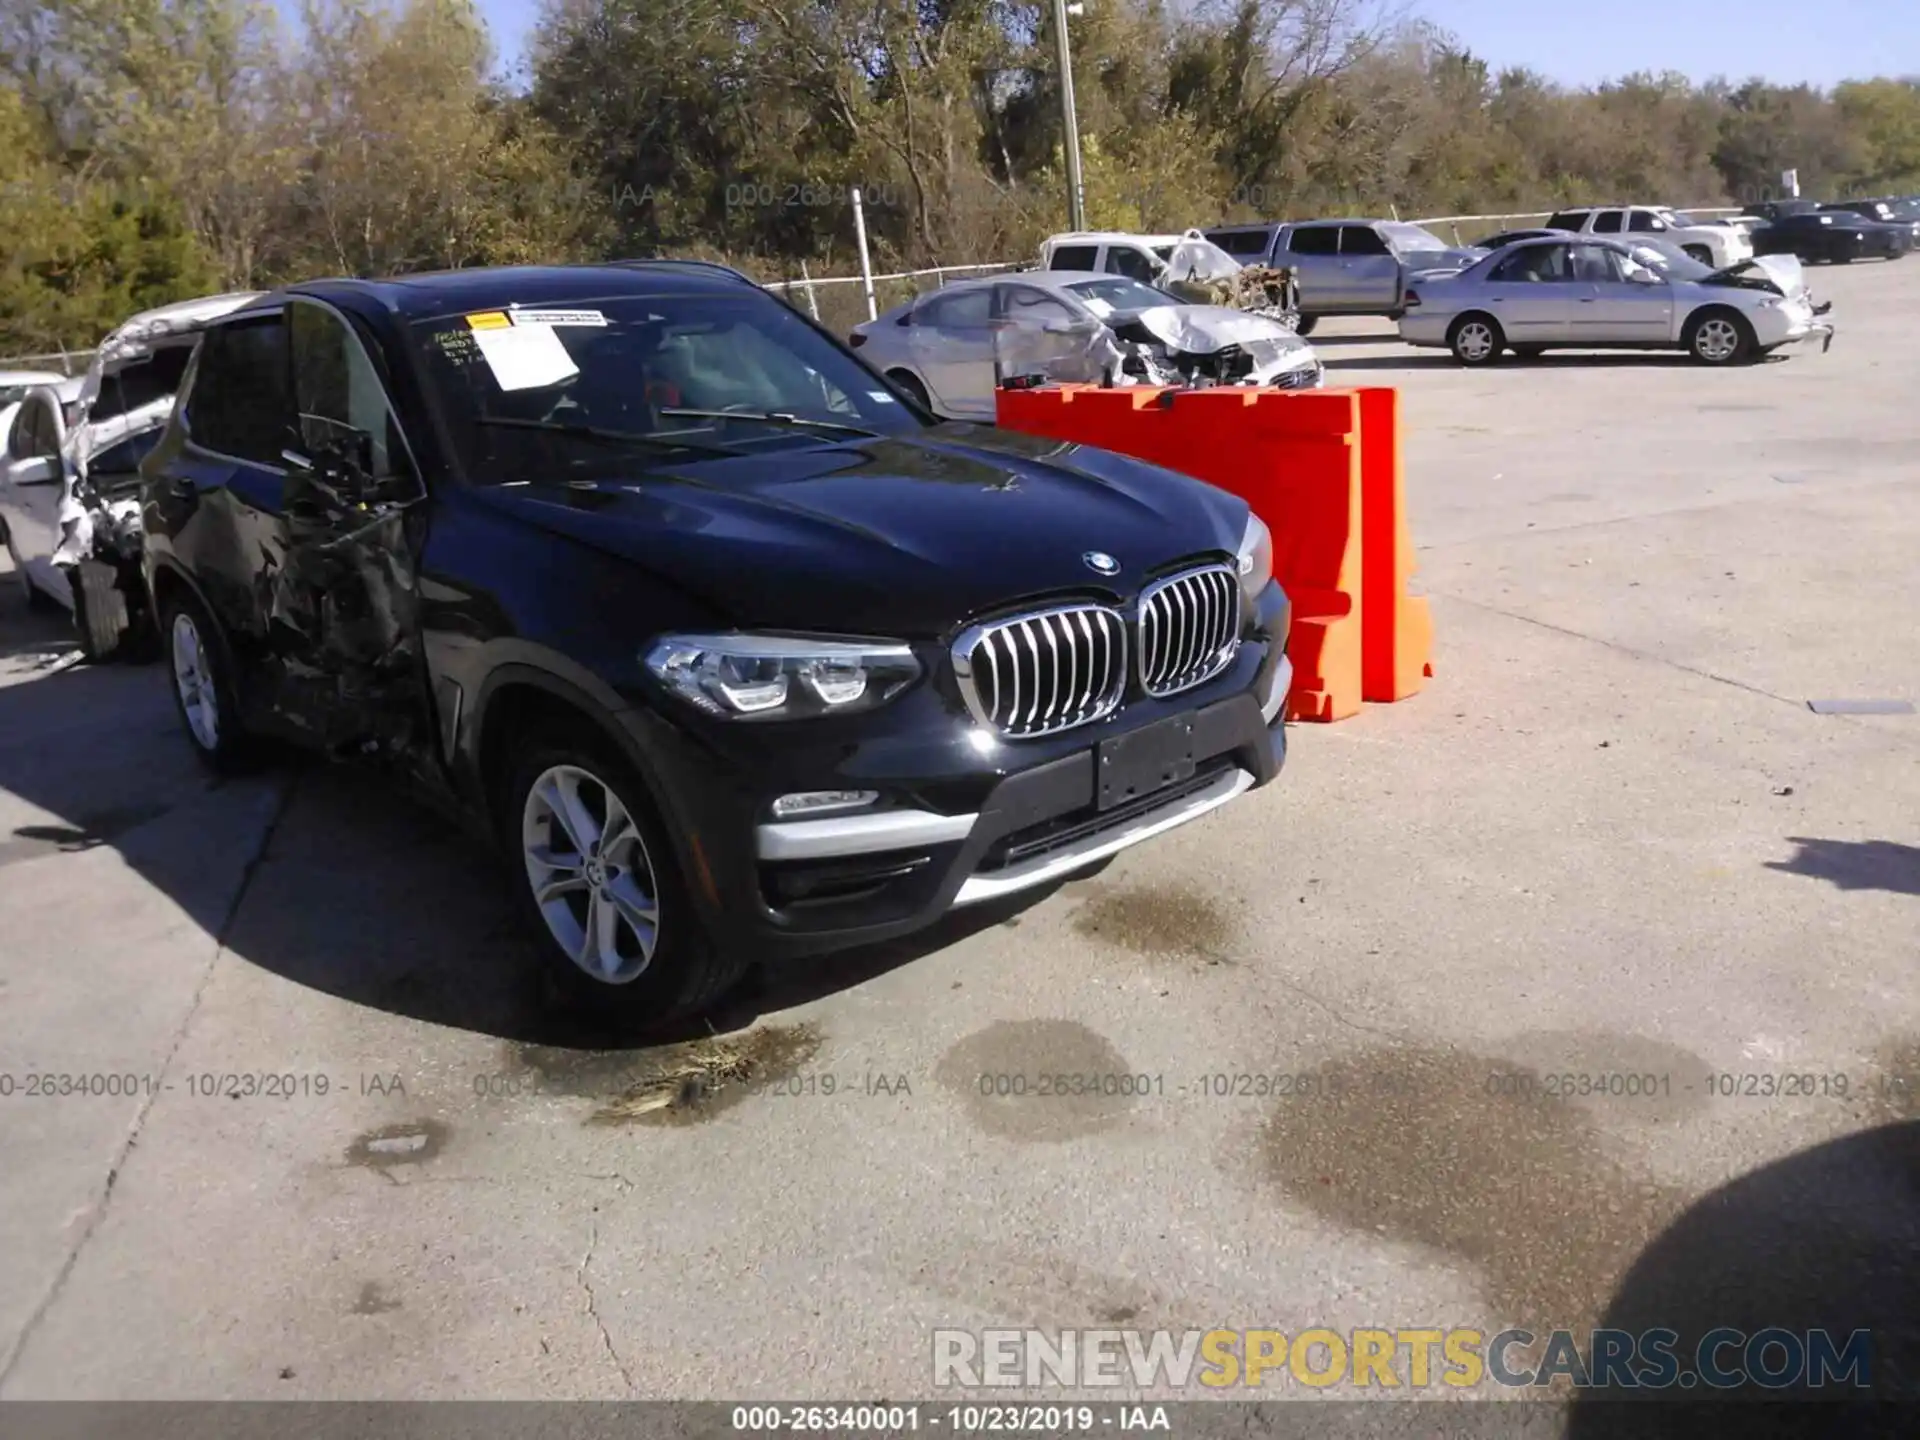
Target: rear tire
<point>1699,253</point>
<point>617,931</point>
<point>1476,339</point>
<point>203,692</point>
<point>910,383</point>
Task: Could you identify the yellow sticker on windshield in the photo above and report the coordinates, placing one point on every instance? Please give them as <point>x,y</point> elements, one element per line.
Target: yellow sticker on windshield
<point>490,320</point>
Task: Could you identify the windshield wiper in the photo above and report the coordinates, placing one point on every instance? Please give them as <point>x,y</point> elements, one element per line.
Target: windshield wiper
<point>770,417</point>
<point>601,433</point>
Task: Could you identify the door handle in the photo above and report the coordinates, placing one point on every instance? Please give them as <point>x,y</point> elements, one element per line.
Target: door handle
<point>1588,299</point>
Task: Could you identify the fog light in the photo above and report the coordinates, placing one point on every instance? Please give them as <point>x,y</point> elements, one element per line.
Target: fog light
<point>821,802</point>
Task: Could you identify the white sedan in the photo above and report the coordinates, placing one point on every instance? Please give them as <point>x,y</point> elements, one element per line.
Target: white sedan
<point>1579,293</point>
<point>951,349</point>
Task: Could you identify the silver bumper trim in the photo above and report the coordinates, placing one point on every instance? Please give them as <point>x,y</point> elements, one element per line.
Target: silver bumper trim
<point>1277,696</point>
<point>1043,868</point>
<point>835,835</point>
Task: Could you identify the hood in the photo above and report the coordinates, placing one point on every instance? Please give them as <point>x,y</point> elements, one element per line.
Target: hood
<point>1782,272</point>
<point>905,535</point>
<point>1203,329</point>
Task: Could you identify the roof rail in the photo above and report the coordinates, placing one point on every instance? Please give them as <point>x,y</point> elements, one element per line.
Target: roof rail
<point>711,266</point>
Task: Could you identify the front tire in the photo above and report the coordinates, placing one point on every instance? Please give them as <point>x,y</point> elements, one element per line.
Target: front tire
<point>599,888</point>
<point>1303,326</point>
<point>203,690</point>
<point>101,617</point>
<point>1698,253</point>
<point>1476,339</point>
<point>1719,337</point>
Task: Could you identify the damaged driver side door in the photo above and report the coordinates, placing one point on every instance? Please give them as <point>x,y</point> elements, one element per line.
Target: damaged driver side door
<point>343,633</point>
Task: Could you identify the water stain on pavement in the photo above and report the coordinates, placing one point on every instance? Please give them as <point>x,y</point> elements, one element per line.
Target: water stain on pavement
<point>1039,1080</point>
<point>1157,920</point>
<point>1637,1080</point>
<point>699,1079</point>
<point>1893,1089</point>
<point>1414,1144</point>
<point>409,1143</point>
<point>1041,1290</point>
<point>374,1300</point>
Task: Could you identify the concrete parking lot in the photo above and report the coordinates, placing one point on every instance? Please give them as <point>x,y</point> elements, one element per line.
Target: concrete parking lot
<point>1610,838</point>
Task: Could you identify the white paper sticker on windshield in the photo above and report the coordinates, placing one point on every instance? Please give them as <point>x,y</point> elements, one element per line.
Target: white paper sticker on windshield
<point>881,396</point>
<point>557,317</point>
<point>1097,305</point>
<point>525,357</point>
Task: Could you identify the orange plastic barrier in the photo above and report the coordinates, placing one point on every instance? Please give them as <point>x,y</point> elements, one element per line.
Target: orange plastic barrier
<point>1322,468</point>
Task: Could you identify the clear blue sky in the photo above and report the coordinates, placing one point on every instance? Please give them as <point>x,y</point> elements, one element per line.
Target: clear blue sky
<point>1817,41</point>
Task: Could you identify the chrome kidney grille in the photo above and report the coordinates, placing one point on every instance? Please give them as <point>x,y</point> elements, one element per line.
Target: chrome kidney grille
<point>1043,672</point>
<point>1189,629</point>
<point>1051,670</point>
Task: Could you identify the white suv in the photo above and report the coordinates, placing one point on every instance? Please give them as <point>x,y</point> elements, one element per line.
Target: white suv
<point>1718,243</point>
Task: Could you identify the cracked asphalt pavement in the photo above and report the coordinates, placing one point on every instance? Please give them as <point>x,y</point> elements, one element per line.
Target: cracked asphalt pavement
<point>1609,838</point>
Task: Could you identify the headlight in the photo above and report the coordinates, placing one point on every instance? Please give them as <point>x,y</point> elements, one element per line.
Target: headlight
<point>1255,562</point>
<point>781,677</point>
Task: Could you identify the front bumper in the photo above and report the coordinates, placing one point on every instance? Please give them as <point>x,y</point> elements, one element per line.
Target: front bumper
<point>961,821</point>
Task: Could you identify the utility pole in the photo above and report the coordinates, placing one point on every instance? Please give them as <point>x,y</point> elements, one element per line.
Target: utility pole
<point>1076,196</point>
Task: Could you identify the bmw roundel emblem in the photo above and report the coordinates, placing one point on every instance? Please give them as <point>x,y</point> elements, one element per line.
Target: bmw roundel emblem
<point>1101,563</point>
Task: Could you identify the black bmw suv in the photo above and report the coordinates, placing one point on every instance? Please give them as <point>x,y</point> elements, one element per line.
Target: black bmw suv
<point>737,653</point>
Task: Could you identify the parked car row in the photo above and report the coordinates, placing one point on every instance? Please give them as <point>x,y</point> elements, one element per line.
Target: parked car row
<point>69,481</point>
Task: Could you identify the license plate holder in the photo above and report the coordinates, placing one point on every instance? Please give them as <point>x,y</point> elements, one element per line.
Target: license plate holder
<point>1149,759</point>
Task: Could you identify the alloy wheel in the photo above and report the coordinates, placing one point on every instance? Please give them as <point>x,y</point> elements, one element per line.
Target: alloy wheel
<point>1474,342</point>
<point>592,879</point>
<point>199,701</point>
<point>1717,340</point>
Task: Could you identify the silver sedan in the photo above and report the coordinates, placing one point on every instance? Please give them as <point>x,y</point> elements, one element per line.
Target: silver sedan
<point>953,347</point>
<point>1583,293</point>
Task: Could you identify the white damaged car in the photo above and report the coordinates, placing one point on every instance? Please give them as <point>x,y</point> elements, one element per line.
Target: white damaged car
<point>951,348</point>
<point>1573,292</point>
<point>69,485</point>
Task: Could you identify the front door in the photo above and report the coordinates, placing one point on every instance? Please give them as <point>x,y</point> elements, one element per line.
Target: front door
<point>1314,252</point>
<point>343,628</point>
<point>1627,303</point>
<point>1369,270</point>
<point>34,481</point>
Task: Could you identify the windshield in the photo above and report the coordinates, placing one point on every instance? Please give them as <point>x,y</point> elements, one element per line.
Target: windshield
<point>583,386</point>
<point>1672,263</point>
<point>1120,293</point>
<point>1403,236</point>
<point>1165,252</point>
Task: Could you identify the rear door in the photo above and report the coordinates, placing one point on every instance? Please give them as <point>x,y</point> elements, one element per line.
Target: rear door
<point>30,492</point>
<point>953,350</point>
<point>1250,245</point>
<point>216,497</point>
<point>1314,251</point>
<point>1073,257</point>
<point>1369,270</point>
<point>1534,295</point>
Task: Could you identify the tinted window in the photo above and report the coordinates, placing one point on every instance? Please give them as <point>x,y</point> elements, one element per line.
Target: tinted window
<point>240,405</point>
<point>1536,263</point>
<point>1072,257</point>
<point>1607,222</point>
<point>1032,307</point>
<point>1240,242</point>
<point>1125,260</point>
<point>962,310</point>
<point>1362,240</point>
<point>125,457</point>
<point>34,433</point>
<point>336,388</point>
<point>157,377</point>
<point>1645,222</point>
<point>1315,240</point>
<point>1567,220</point>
